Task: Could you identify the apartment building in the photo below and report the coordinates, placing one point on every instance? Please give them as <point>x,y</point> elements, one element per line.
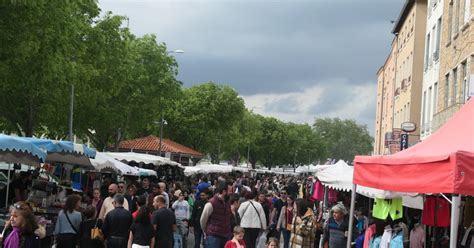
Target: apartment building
<point>410,31</point>
<point>456,77</point>
<point>431,68</point>
<point>384,115</point>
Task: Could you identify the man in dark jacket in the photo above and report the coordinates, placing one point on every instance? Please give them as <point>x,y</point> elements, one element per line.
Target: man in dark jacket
<point>117,224</point>
<point>215,221</point>
<point>196,218</point>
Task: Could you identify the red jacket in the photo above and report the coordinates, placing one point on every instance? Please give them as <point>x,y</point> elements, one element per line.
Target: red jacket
<point>231,244</point>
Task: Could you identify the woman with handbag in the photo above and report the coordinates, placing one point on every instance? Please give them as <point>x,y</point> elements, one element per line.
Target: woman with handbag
<point>90,234</point>
<point>253,220</point>
<point>67,225</point>
<point>285,220</point>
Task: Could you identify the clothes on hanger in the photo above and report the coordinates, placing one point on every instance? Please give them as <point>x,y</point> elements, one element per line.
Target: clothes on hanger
<point>386,237</point>
<point>417,237</point>
<point>375,242</point>
<point>369,233</point>
<point>397,240</point>
<point>318,191</point>
<point>436,208</point>
<point>385,207</point>
<point>359,241</point>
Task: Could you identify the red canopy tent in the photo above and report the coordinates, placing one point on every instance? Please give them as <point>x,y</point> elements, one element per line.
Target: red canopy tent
<point>443,163</point>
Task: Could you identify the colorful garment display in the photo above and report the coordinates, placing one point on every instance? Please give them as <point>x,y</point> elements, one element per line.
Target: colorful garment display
<point>332,196</point>
<point>385,207</point>
<point>436,212</point>
<point>386,237</point>
<point>417,237</point>
<point>369,233</point>
<point>397,241</point>
<point>318,191</point>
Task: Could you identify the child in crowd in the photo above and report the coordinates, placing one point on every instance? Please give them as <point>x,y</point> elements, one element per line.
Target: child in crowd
<point>238,240</point>
<point>273,243</point>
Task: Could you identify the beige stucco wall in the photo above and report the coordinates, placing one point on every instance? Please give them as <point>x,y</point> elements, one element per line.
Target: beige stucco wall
<point>385,88</point>
<point>409,72</point>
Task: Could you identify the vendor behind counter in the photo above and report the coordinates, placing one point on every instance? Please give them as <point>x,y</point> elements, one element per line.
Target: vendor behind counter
<point>18,190</point>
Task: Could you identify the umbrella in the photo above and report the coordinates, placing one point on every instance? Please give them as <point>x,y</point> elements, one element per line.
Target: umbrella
<point>65,151</point>
<point>19,150</point>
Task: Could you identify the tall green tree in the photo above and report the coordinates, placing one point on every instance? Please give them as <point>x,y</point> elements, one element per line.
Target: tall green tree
<point>121,96</point>
<point>204,117</point>
<point>39,48</point>
<point>343,139</point>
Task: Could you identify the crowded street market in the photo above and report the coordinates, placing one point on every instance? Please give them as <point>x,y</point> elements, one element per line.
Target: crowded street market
<point>61,194</point>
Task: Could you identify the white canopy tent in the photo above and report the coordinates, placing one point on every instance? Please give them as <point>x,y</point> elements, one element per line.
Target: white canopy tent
<point>103,161</point>
<point>205,167</point>
<point>143,158</point>
<point>311,168</point>
<point>192,170</point>
<point>339,176</point>
<point>146,172</point>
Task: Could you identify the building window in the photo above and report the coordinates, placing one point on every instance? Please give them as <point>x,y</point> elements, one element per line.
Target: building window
<point>408,112</point>
<point>423,113</point>
<point>435,98</point>
<point>467,10</point>
<point>450,20</point>
<point>455,86</point>
<point>438,38</point>
<point>464,86</point>
<point>428,110</point>
<point>456,16</point>
<point>427,51</point>
<point>447,100</point>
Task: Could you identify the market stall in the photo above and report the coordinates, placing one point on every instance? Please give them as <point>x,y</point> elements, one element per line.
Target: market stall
<point>64,151</point>
<point>164,167</point>
<point>103,162</point>
<point>339,176</point>
<point>441,164</point>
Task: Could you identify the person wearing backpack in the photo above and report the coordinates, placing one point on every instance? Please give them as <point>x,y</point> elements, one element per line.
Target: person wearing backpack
<point>85,229</point>
<point>68,222</point>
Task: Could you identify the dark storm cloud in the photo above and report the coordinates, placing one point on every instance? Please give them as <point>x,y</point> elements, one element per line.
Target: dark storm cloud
<point>268,46</point>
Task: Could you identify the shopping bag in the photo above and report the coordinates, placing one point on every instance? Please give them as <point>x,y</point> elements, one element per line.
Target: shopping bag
<point>96,233</point>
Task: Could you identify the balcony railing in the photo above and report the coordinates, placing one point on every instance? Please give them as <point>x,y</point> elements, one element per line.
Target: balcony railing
<point>443,116</point>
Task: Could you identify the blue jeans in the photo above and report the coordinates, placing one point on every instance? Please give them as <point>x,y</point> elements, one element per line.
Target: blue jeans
<point>214,242</point>
<point>197,237</point>
<point>286,237</point>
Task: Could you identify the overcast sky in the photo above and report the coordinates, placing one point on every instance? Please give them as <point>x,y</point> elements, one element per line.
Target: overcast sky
<point>292,59</point>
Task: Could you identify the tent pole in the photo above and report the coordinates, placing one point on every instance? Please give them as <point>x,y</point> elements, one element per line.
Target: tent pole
<point>455,208</point>
<point>351,216</point>
<point>8,186</point>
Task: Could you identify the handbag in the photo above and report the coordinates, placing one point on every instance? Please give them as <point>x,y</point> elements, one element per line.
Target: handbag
<point>96,233</point>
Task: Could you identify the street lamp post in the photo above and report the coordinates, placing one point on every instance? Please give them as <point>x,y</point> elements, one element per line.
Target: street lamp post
<point>162,120</point>
<point>71,113</point>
